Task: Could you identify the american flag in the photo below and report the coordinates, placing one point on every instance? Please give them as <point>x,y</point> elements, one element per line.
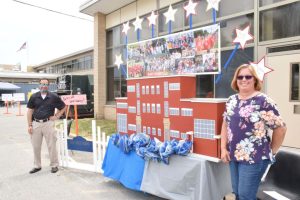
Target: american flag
<point>23,46</point>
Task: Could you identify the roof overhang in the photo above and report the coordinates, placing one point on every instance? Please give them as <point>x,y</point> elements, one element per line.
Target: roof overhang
<point>91,7</point>
<point>26,75</point>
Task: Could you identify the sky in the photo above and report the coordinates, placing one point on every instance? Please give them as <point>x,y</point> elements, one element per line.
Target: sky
<point>48,35</point>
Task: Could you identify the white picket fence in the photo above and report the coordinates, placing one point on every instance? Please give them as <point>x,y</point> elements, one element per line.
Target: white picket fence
<point>100,141</point>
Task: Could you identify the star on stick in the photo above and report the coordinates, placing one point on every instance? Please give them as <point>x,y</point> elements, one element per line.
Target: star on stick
<point>137,23</point>
<point>261,68</point>
<point>213,4</point>
<point>126,27</point>
<point>119,60</point>
<point>152,18</point>
<point>190,8</point>
<point>242,36</point>
<point>170,14</point>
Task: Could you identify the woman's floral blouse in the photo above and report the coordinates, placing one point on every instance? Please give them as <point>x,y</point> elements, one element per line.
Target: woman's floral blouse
<point>249,125</point>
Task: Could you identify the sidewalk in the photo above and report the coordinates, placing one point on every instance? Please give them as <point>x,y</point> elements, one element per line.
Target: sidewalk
<point>16,158</point>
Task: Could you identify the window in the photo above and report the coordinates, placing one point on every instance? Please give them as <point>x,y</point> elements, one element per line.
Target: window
<point>157,89</point>
<point>186,112</point>
<point>158,132</point>
<point>122,122</point>
<point>131,127</point>
<point>280,22</point>
<point>174,86</point>
<point>166,108</point>
<point>201,14</point>
<point>174,133</point>
<point>205,86</point>
<point>158,108</point>
<point>153,108</point>
<point>137,90</point>
<point>204,128</point>
<point>153,131</point>
<point>229,7</point>
<point>223,87</point>
<point>131,109</point>
<point>138,107</point>
<point>295,94</point>
<point>179,19</point>
<point>228,27</point>
<point>174,111</point>
<point>166,89</point>
<point>267,2</point>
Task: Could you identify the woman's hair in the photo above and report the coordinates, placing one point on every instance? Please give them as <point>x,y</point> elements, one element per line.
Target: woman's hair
<point>257,84</point>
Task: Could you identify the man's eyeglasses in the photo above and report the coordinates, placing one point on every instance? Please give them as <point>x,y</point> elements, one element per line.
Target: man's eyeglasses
<point>247,77</point>
<point>44,84</point>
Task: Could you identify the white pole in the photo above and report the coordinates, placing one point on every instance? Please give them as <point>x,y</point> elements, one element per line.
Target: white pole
<point>94,143</point>
<point>99,157</point>
<point>65,141</point>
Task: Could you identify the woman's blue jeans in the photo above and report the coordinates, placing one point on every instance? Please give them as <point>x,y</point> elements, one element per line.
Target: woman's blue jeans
<point>245,178</point>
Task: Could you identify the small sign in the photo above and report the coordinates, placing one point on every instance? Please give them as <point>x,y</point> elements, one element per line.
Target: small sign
<point>18,96</point>
<point>80,144</point>
<point>74,99</point>
<point>6,97</point>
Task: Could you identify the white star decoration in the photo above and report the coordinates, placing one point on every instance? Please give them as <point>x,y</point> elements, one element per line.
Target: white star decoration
<point>152,18</point>
<point>261,68</point>
<point>242,36</point>
<point>125,28</point>
<point>190,8</point>
<point>213,4</point>
<point>119,60</point>
<point>170,14</point>
<point>137,23</point>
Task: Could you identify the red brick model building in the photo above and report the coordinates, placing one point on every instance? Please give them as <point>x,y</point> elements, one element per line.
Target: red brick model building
<point>166,108</point>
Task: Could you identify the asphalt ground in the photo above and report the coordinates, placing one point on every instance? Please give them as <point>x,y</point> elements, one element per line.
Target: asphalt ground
<point>16,160</point>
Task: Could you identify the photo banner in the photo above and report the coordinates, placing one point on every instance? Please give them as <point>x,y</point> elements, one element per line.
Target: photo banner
<point>191,52</point>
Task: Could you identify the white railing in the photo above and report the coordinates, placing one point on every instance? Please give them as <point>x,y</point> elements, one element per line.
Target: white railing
<point>99,140</point>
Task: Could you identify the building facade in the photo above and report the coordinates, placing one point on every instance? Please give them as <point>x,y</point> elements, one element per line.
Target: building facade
<point>275,25</point>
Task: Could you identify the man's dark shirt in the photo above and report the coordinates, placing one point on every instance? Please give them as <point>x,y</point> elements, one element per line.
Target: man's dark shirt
<point>44,108</point>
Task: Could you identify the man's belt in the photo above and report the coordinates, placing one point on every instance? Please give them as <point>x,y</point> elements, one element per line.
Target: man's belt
<point>41,120</point>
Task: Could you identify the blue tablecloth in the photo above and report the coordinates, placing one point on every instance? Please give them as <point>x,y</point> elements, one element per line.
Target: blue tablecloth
<point>128,168</point>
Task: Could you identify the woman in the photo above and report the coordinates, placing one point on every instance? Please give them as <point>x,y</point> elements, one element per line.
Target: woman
<point>249,119</point>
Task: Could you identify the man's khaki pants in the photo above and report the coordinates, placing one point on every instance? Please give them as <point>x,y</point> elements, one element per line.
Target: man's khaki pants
<point>47,130</point>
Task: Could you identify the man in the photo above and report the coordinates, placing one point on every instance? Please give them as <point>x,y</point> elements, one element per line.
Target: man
<point>40,117</point>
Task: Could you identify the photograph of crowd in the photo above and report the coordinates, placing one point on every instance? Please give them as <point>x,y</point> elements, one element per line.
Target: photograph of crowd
<point>190,52</point>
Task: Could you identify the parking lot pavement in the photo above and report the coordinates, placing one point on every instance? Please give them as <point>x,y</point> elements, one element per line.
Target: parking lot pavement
<point>16,160</point>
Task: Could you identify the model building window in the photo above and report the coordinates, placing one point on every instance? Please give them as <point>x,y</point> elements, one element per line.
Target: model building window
<point>132,109</point>
<point>137,90</point>
<point>183,136</point>
<point>122,122</point>
<point>143,90</point>
<point>174,111</point>
<point>153,131</point>
<point>204,128</point>
<point>130,88</point>
<point>295,95</point>
<point>138,107</point>
<point>158,108</point>
<point>149,130</point>
<point>166,108</point>
<point>147,89</point>
<point>144,129</point>
<point>166,89</point>
<point>138,128</point>
<point>159,132</point>
<point>152,89</point>
<point>131,127</point>
<point>153,108</point>
<point>148,108</point>
<point>174,86</point>
<point>186,112</point>
<point>144,107</point>
<point>174,134</point>
<point>122,105</point>
<point>157,89</point>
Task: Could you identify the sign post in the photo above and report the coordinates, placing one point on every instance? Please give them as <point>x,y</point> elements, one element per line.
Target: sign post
<point>6,98</point>
<point>78,99</point>
<point>18,97</point>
